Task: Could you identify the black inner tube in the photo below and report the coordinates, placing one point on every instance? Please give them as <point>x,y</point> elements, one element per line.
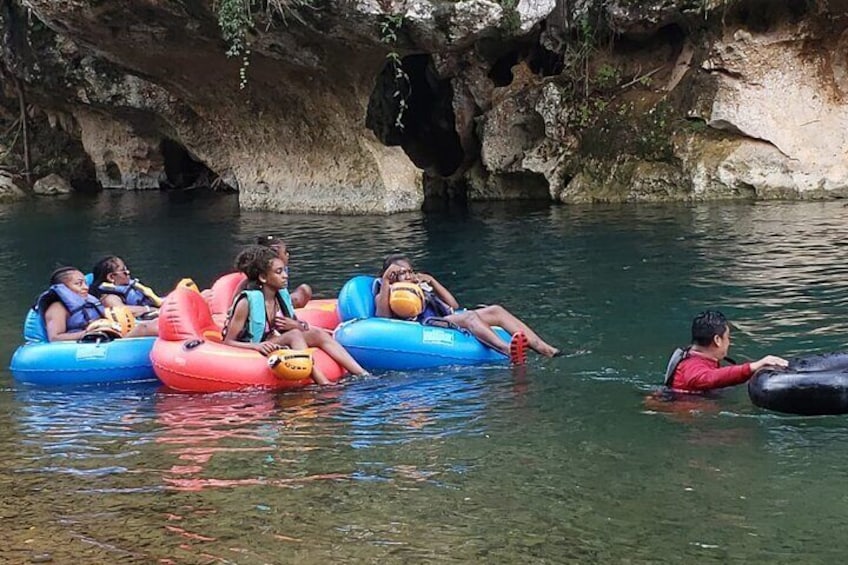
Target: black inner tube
<point>811,385</point>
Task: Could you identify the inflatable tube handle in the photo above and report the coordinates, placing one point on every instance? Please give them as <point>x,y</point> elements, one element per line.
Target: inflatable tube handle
<point>442,323</point>
<point>97,336</point>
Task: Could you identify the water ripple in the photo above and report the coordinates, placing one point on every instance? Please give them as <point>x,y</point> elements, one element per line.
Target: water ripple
<point>552,462</point>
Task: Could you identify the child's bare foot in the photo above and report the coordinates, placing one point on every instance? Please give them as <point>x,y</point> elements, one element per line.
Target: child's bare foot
<point>321,380</point>
<point>552,352</point>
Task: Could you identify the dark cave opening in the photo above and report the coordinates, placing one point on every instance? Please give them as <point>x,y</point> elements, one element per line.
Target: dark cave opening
<point>428,133</point>
<point>184,172</point>
<point>763,15</point>
<point>114,174</point>
<point>672,35</point>
<point>544,62</point>
<point>501,71</point>
<point>539,59</point>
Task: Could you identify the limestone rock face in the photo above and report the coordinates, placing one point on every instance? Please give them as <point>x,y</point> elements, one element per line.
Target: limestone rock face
<point>757,111</point>
<point>646,17</point>
<point>570,100</point>
<point>122,157</point>
<point>788,102</point>
<point>293,140</point>
<point>531,12</point>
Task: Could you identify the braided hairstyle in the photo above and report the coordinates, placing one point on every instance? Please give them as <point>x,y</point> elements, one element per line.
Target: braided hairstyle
<point>59,275</point>
<point>101,270</point>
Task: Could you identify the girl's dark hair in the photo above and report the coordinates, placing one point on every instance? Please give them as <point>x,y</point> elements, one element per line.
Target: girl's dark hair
<point>101,270</point>
<point>392,259</point>
<point>706,325</point>
<point>254,261</point>
<point>60,274</point>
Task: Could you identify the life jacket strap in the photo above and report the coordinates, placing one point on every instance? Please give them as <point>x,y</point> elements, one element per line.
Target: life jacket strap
<point>676,358</point>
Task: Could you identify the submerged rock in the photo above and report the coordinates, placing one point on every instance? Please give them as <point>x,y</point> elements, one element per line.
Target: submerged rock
<point>51,185</point>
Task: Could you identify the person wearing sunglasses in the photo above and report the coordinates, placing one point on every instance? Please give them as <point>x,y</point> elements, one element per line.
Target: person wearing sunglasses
<point>440,303</point>
<point>114,287</point>
<point>69,312</point>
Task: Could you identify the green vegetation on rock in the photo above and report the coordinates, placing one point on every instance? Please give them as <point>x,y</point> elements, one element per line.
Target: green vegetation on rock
<point>237,18</point>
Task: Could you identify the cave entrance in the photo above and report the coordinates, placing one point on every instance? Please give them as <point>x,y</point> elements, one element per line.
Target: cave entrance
<point>428,133</point>
<point>540,60</point>
<point>184,172</point>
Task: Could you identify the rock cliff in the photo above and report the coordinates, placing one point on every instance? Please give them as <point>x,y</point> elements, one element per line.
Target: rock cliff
<point>573,100</point>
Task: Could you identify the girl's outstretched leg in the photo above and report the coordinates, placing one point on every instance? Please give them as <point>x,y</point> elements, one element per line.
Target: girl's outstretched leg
<point>319,338</point>
<point>472,322</point>
<point>319,377</point>
<point>497,315</point>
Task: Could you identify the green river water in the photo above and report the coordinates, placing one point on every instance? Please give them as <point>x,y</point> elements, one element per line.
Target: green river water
<point>568,460</point>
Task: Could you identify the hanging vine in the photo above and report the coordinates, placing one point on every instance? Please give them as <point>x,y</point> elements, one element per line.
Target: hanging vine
<point>236,18</point>
<point>390,26</point>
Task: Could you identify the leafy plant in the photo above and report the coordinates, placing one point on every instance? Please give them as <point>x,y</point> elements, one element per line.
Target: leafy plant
<point>236,19</point>
<point>511,18</point>
<point>607,76</point>
<point>390,27</point>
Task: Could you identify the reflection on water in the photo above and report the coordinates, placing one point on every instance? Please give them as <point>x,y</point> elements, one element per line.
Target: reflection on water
<point>248,427</point>
<point>573,459</point>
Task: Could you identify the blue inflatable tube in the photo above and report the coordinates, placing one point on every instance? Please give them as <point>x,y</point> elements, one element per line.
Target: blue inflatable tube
<point>384,344</point>
<point>387,344</point>
<point>356,298</point>
<point>68,363</point>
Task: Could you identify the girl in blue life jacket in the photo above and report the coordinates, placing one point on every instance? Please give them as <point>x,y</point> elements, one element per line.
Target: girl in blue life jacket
<point>68,308</point>
<point>303,293</point>
<point>262,317</point>
<point>440,303</point>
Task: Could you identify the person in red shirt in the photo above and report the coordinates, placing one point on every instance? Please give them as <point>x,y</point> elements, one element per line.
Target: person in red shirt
<point>698,367</point>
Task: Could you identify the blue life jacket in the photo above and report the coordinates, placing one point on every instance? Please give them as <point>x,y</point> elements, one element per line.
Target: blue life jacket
<point>81,311</point>
<point>434,307</point>
<point>254,328</point>
<point>132,294</point>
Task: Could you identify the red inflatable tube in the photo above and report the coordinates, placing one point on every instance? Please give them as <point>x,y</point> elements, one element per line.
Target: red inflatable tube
<point>320,313</point>
<point>189,355</point>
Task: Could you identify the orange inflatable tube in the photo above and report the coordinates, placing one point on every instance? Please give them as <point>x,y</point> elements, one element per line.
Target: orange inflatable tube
<point>190,356</point>
<point>320,313</point>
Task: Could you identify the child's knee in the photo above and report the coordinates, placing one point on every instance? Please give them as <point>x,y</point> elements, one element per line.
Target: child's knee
<point>293,337</point>
<point>494,309</point>
<point>474,318</point>
<point>315,336</point>
<point>470,321</point>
